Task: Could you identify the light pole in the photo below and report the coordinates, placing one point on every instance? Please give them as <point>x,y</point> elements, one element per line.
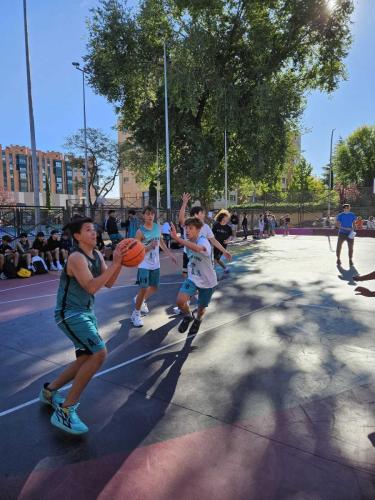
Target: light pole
<point>330,180</point>
<point>77,66</point>
<point>225,169</point>
<point>34,163</point>
<point>167,131</point>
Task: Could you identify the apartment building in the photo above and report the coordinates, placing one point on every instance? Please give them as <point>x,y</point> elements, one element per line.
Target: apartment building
<point>65,182</point>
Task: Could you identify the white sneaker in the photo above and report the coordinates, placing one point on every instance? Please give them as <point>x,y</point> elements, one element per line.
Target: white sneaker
<point>53,267</point>
<point>59,267</point>
<point>136,319</point>
<point>144,306</point>
<point>3,277</point>
<point>177,310</point>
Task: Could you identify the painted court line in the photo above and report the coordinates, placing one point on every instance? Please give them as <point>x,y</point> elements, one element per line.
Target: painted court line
<point>108,290</point>
<point>162,348</point>
<point>31,284</point>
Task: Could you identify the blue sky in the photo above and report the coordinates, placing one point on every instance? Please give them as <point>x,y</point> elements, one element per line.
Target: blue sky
<point>57,34</point>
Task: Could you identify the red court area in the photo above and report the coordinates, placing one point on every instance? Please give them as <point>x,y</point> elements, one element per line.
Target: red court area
<point>273,399</point>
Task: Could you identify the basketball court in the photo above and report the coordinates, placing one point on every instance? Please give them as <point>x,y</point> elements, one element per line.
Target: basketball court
<point>274,398</point>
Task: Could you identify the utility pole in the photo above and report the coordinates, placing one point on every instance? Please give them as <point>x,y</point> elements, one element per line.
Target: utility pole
<point>87,198</point>
<point>34,162</point>
<point>330,180</point>
<point>167,132</point>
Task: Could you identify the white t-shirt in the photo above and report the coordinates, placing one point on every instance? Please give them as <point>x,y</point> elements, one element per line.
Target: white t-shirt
<point>200,267</point>
<point>206,231</point>
<point>151,259</point>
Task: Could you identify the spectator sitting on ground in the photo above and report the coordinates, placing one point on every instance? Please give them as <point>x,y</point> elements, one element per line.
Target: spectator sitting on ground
<point>358,224</point>
<point>24,250</point>
<point>41,250</point>
<point>7,254</point>
<point>53,245</point>
<point>66,245</point>
<point>371,222</point>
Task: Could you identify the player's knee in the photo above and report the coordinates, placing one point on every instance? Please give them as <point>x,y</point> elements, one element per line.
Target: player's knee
<point>100,356</point>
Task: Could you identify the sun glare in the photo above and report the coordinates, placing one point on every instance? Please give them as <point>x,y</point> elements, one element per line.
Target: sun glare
<point>331,4</point>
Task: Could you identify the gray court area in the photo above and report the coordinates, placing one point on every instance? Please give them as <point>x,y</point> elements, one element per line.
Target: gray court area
<point>273,399</point>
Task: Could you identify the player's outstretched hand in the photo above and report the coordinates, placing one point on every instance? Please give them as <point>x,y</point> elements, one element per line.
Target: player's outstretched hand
<point>186,197</point>
<point>358,278</point>
<point>361,290</point>
<point>173,231</point>
<point>119,252</point>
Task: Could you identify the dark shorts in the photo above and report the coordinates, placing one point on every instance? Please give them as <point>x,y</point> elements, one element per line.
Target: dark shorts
<point>218,253</point>
<point>82,330</point>
<point>148,277</point>
<point>204,294</point>
<point>185,261</point>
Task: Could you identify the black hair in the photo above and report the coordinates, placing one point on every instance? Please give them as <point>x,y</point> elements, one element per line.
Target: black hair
<point>111,212</point>
<point>195,211</point>
<point>194,221</point>
<point>221,216</point>
<point>23,235</point>
<point>346,205</point>
<point>76,224</point>
<point>40,234</point>
<point>131,212</point>
<point>148,208</point>
<point>54,231</point>
<point>6,237</point>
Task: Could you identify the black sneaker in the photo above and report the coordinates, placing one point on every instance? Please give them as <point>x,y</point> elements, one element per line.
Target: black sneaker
<point>183,326</point>
<point>195,327</point>
<point>351,263</point>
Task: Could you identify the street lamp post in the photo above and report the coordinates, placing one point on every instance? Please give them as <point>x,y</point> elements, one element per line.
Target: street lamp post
<point>167,132</point>
<point>34,162</point>
<point>330,180</point>
<point>225,169</point>
<point>77,66</point>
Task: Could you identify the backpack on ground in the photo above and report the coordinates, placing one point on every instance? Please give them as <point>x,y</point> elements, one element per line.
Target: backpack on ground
<point>24,273</point>
<point>9,269</point>
<point>39,266</point>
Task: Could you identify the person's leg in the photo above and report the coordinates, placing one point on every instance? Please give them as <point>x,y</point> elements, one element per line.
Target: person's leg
<point>68,374</point>
<point>83,375</point>
<point>204,298</point>
<point>27,257</point>
<point>220,263</point>
<point>340,241</point>
<point>183,303</point>
<point>1,262</point>
<point>200,313</point>
<point>140,298</point>
<point>350,249</point>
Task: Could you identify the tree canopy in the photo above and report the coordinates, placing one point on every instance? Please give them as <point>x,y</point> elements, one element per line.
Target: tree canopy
<point>354,158</point>
<point>235,64</point>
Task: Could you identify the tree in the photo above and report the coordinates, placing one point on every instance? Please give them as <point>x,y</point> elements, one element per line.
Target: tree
<point>354,158</point>
<point>6,198</point>
<point>235,64</point>
<point>306,186</point>
<point>347,193</point>
<point>104,161</point>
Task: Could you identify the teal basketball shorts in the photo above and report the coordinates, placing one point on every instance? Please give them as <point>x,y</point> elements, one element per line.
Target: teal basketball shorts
<point>204,294</point>
<point>148,277</point>
<point>82,330</point>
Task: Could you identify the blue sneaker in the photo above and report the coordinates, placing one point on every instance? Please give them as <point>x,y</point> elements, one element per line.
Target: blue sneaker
<point>51,398</point>
<point>68,420</point>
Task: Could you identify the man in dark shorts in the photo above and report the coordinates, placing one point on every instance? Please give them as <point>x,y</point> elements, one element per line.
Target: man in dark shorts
<point>345,222</point>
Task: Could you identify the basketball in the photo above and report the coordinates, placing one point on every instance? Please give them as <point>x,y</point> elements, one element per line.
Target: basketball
<point>135,253</point>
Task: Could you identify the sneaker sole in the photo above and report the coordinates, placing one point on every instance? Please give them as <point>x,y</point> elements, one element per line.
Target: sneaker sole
<point>62,427</point>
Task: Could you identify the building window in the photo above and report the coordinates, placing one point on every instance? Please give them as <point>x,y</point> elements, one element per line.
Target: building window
<point>58,171</point>
<point>68,177</point>
<point>232,198</point>
<point>11,172</point>
<point>21,163</point>
<point>5,176</point>
<point>126,179</point>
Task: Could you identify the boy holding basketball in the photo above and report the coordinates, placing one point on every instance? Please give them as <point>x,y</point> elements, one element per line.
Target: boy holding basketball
<point>148,276</point>
<point>201,274</point>
<point>84,274</point>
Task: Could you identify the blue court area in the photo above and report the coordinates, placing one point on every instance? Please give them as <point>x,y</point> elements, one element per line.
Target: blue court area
<point>274,398</point>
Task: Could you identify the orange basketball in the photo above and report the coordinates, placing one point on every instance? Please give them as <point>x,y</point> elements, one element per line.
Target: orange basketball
<point>134,254</point>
